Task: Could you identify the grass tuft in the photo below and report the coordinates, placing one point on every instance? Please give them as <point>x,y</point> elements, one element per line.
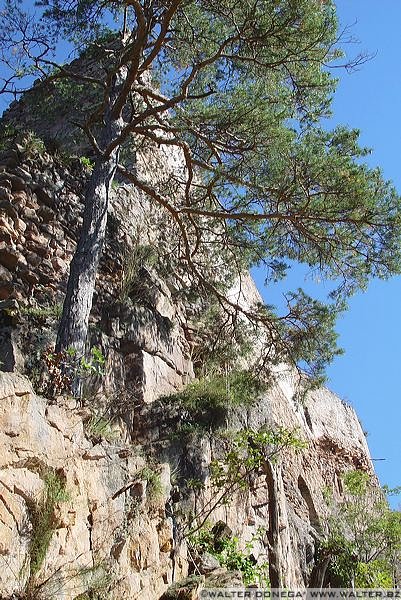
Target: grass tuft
<point>42,515</point>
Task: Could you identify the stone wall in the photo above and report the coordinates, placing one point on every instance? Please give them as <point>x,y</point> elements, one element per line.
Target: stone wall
<point>41,203</point>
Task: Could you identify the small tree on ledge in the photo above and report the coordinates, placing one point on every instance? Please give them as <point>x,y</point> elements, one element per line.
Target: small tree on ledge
<point>363,537</point>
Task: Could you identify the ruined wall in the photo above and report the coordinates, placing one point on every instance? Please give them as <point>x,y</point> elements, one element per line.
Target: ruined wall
<point>40,207</point>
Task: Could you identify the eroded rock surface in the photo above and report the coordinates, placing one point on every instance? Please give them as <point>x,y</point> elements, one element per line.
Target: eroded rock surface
<point>110,531</point>
<point>117,528</point>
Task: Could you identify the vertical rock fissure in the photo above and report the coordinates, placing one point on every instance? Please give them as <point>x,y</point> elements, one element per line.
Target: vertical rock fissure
<point>273,532</point>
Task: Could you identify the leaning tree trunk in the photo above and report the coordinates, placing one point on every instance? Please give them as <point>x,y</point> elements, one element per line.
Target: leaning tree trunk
<point>73,327</point>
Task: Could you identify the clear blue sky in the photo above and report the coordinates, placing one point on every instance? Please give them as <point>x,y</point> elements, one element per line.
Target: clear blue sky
<point>368,374</point>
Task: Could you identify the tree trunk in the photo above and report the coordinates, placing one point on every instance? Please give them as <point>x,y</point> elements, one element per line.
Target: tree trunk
<point>318,574</point>
<point>73,327</point>
<point>273,531</point>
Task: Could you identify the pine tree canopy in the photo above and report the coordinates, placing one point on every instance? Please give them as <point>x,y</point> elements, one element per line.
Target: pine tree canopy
<point>242,91</point>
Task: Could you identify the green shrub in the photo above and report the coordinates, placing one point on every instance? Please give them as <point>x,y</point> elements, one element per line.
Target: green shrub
<point>363,534</point>
<point>93,366</point>
<point>42,516</point>
<point>248,450</point>
<point>376,574</point>
<point>55,372</point>
<point>87,163</point>
<point>246,455</point>
<point>154,488</point>
<point>206,402</point>
<point>8,134</point>
<point>100,427</point>
<point>52,311</point>
<point>33,146</point>
<point>238,388</point>
<point>356,482</point>
<point>230,556</point>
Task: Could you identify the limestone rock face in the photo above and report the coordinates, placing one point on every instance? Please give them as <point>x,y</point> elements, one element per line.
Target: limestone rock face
<point>142,325</point>
<point>334,443</point>
<point>116,527</point>
<point>112,530</point>
<point>103,534</point>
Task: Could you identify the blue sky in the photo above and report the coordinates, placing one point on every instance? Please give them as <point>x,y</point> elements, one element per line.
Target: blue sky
<point>368,375</point>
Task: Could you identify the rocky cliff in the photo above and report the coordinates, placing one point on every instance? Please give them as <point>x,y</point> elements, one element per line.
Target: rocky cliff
<point>94,493</point>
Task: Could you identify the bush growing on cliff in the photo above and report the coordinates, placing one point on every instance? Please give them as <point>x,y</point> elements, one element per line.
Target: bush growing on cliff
<point>54,372</point>
<point>206,402</point>
<point>7,135</point>
<point>229,554</point>
<point>363,536</point>
<point>42,313</point>
<point>154,489</point>
<point>100,427</point>
<point>244,456</point>
<point>42,517</point>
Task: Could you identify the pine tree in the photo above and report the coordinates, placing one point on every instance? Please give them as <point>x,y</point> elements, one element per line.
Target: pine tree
<point>240,89</point>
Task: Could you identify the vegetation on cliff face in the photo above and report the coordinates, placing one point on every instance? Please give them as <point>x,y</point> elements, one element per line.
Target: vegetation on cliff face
<point>43,525</point>
<point>226,550</point>
<point>362,547</point>
<point>239,89</point>
<point>206,403</point>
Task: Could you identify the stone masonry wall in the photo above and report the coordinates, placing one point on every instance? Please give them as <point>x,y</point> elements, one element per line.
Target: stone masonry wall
<point>40,214</point>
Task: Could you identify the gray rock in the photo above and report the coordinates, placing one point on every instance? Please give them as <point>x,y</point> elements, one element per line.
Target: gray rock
<point>224,579</point>
<point>207,563</point>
